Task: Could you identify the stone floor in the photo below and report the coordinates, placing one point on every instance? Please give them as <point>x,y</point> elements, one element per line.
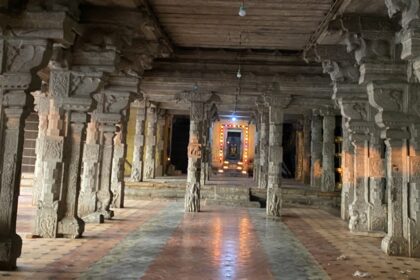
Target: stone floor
<point>156,240</point>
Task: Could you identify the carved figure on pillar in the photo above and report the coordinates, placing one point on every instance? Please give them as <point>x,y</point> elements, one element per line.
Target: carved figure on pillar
<point>276,103</point>
<point>139,141</point>
<point>316,151</point>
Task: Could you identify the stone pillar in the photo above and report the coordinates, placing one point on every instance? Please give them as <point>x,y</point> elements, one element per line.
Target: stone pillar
<point>104,194</point>
<point>316,151</point>
<point>42,107</point>
<point>192,194</point>
<point>393,119</point>
<point>328,151</point>
<point>347,166</point>
<point>306,171</point>
<point>206,148</point>
<point>263,142</point>
<point>299,154</point>
<point>97,193</point>
<point>149,151</point>
<point>137,167</point>
<point>71,225</point>
<point>160,142</point>
<point>118,160</point>
<point>12,147</point>
<point>61,151</point>
<point>276,114</point>
<point>89,177</point>
<point>256,170</point>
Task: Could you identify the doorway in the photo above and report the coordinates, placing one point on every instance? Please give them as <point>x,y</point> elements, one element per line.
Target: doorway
<point>233,146</point>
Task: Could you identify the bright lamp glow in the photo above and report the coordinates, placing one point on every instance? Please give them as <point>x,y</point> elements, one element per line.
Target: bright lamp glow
<point>242,10</point>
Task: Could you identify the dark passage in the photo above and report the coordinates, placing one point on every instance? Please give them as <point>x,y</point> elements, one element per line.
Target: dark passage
<point>180,135</point>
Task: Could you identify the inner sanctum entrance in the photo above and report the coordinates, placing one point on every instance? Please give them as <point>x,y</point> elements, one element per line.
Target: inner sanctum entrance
<point>233,146</point>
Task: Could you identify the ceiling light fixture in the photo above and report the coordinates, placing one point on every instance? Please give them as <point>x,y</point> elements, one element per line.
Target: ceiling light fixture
<point>239,74</point>
<point>242,9</point>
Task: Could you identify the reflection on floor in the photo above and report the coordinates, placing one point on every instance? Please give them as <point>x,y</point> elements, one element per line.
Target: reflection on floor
<point>156,240</point>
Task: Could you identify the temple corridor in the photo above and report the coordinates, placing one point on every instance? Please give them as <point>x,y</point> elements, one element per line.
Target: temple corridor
<point>155,240</point>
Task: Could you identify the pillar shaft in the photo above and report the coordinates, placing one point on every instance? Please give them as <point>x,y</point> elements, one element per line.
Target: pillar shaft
<point>118,160</point>
<point>89,178</point>
<point>299,156</point>
<point>139,140</point>
<point>71,225</point>
<point>328,153</point>
<point>205,156</point>
<point>160,143</point>
<point>275,161</point>
<point>306,171</point>
<point>263,142</point>
<point>150,148</point>
<point>104,194</point>
<point>41,106</point>
<point>192,195</point>
<point>316,151</point>
<point>347,167</point>
<point>12,148</point>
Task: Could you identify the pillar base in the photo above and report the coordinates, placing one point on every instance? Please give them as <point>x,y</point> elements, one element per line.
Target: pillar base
<point>94,218</point>
<point>274,202</point>
<point>10,250</point>
<point>393,246</point>
<point>71,227</point>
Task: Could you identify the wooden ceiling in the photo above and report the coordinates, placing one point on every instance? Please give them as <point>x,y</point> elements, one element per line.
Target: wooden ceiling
<point>269,24</point>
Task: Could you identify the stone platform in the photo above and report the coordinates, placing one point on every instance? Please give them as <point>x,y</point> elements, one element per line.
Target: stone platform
<point>234,192</point>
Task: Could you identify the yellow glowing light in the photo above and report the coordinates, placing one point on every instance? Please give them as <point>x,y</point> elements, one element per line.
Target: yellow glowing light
<point>244,172</point>
<point>240,162</point>
<point>226,162</point>
<point>239,168</point>
<point>220,171</point>
<point>225,167</point>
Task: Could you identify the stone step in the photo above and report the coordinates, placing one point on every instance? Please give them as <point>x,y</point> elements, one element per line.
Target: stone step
<point>231,203</point>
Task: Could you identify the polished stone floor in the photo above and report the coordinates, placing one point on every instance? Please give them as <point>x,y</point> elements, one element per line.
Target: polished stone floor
<point>156,240</point>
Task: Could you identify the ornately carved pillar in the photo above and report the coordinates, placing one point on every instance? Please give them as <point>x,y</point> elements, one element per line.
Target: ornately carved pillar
<point>118,160</point>
<point>306,171</point>
<point>328,151</point>
<point>205,155</point>
<point>192,194</point>
<point>160,143</point>
<point>347,167</point>
<point>139,140</point>
<point>394,118</point>
<point>276,114</point>
<point>299,153</point>
<point>263,142</point>
<point>41,106</point>
<point>61,152</point>
<point>149,151</point>
<point>316,151</point>
<point>89,177</point>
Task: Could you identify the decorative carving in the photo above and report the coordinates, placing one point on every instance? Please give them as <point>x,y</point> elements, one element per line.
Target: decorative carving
<point>192,198</point>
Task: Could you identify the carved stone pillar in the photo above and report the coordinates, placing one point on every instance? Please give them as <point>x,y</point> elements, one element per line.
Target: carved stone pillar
<point>89,177</point>
<point>104,194</point>
<point>263,142</point>
<point>299,154</point>
<point>192,194</point>
<point>347,167</point>
<point>61,152</point>
<point>306,171</point>
<point>256,169</point>
<point>316,151</point>
<point>396,112</point>
<point>150,145</point>
<point>328,151</point>
<point>137,166</point>
<point>276,114</point>
<point>160,142</point>
<point>118,160</point>
<point>13,103</point>
<point>42,107</point>
<point>206,147</point>
<point>98,192</point>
